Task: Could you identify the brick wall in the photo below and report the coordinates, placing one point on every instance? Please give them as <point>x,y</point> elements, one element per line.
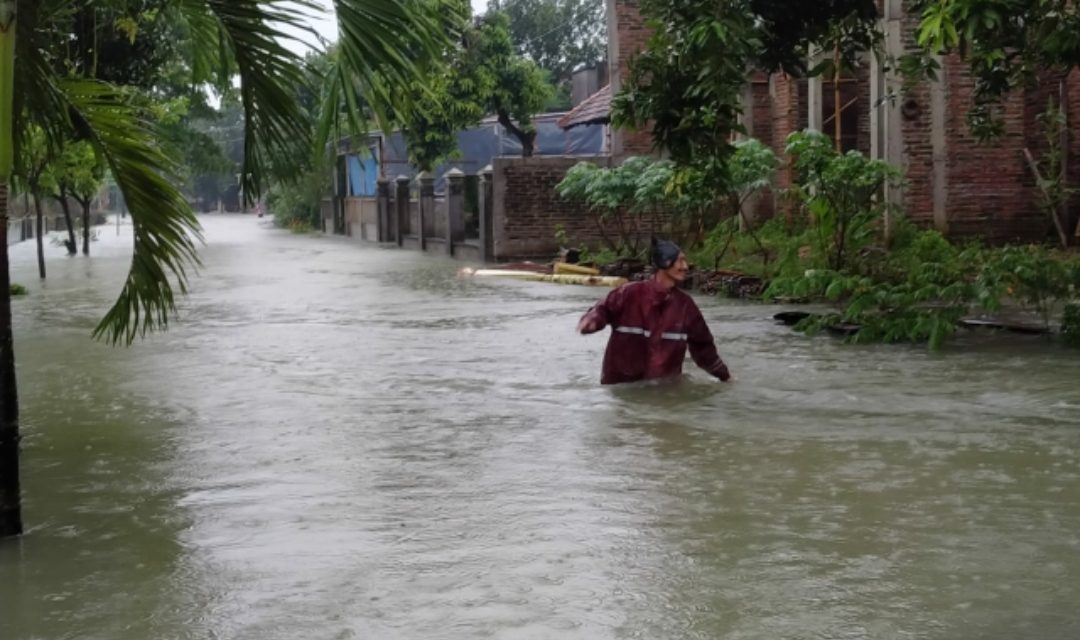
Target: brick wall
<point>630,36</point>
<point>761,128</point>
<point>989,190</point>
<point>527,210</point>
<point>789,113</point>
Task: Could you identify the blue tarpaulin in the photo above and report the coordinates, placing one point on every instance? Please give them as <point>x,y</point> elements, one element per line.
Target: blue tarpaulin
<point>363,174</point>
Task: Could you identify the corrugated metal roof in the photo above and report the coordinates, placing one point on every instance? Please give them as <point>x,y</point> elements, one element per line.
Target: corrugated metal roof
<point>596,109</point>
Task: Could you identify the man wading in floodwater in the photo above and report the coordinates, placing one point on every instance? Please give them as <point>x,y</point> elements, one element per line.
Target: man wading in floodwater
<point>652,324</point>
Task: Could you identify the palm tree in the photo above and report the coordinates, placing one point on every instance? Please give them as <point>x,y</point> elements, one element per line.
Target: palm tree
<point>229,38</point>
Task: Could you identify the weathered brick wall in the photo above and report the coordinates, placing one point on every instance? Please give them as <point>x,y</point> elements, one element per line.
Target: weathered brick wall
<point>1037,98</point>
<point>990,189</point>
<point>789,113</point>
<point>762,207</point>
<point>527,210</point>
<point>1073,104</point>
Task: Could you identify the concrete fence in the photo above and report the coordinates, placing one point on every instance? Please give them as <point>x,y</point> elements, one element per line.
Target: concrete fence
<point>516,214</point>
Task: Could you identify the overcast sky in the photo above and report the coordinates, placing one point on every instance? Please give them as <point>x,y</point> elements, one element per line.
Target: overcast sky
<point>326,26</point>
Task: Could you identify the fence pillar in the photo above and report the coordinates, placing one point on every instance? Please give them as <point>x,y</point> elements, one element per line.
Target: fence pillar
<point>427,206</point>
<point>401,199</point>
<point>455,209</point>
<point>382,204</point>
<point>487,201</point>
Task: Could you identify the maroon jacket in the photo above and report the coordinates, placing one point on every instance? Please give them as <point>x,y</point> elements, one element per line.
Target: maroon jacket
<point>651,329</point>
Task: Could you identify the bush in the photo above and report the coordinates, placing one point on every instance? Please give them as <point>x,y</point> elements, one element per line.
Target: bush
<point>918,292</point>
<point>840,191</point>
<point>628,202</point>
<point>1070,324</point>
<point>297,204</point>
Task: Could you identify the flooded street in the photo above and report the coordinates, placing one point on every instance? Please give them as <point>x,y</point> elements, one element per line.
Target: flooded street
<point>340,441</point>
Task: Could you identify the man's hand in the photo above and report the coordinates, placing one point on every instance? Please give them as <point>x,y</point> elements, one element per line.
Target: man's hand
<point>587,325</point>
<point>724,374</point>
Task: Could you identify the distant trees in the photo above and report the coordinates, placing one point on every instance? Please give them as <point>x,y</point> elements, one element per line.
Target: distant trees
<point>480,74</point>
<point>560,36</point>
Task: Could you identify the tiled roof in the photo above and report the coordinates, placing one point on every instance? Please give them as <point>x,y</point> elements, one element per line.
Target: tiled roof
<point>596,109</point>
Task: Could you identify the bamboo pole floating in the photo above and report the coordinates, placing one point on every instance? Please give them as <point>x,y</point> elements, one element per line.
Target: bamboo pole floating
<point>558,278</point>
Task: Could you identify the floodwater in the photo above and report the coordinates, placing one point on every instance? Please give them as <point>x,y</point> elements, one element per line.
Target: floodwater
<point>340,441</point>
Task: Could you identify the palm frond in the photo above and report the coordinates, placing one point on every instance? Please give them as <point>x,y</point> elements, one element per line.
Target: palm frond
<point>166,231</point>
<point>250,37</point>
<point>385,48</point>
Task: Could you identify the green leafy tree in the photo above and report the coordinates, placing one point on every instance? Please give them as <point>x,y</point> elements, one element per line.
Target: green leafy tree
<point>840,190</point>
<point>560,36</point>
<point>34,165</point>
<point>242,39</point>
<point>453,100</point>
<point>1006,44</point>
<point>79,174</point>
<point>479,75</point>
<point>514,89</point>
<point>686,84</point>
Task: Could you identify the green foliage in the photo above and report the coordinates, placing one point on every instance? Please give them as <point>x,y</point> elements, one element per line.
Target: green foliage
<point>518,88</point>
<point>19,290</point>
<point>1070,324</point>
<point>246,40</point>
<point>1054,192</point>
<point>601,256</point>
<point>919,290</point>
<point>688,81</point>
<point>79,171</point>
<point>751,167</point>
<point>448,103</point>
<point>296,204</point>
<point>611,196</point>
<point>1006,44</point>
<point>643,196</point>
<point>1035,277</point>
<point>560,36</point>
<point>841,193</point>
<point>481,74</point>
<point>767,251</point>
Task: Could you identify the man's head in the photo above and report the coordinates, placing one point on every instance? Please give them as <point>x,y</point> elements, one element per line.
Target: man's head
<point>670,262</point>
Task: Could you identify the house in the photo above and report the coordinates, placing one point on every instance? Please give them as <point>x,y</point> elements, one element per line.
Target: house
<point>954,183</point>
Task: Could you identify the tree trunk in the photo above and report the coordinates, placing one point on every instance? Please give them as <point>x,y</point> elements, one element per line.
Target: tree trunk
<point>39,234</point>
<point>10,495</point>
<point>85,226</point>
<point>72,245</point>
<point>527,138</point>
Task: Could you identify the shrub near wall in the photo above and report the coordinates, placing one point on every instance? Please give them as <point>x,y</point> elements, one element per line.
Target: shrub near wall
<point>527,210</point>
